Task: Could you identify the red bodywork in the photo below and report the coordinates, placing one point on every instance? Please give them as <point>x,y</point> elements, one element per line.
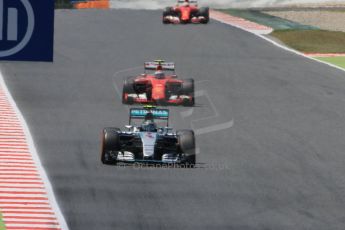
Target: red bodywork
<point>186,12</point>
<point>156,90</point>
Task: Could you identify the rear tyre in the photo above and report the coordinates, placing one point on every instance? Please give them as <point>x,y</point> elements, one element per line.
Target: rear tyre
<point>188,102</point>
<point>128,88</point>
<point>110,145</point>
<point>188,90</point>
<point>191,161</point>
<point>187,87</point>
<point>205,12</point>
<point>186,140</point>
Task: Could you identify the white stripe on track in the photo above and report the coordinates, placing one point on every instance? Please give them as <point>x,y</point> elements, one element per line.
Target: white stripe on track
<point>9,122</point>
<point>8,168</point>
<point>4,153</point>
<point>28,214</point>
<point>31,226</point>
<point>14,150</point>
<point>16,164</point>
<point>24,210</point>
<point>6,144</point>
<point>26,158</point>
<point>13,146</point>
<point>30,220</point>
<point>34,206</point>
<point>21,181</point>
<point>18,137</point>
<point>23,164</point>
<point>38,190</point>
<point>17,161</point>
<point>22,187</point>
<point>24,178</point>
<point>9,195</point>
<point>24,201</point>
<point>15,169</point>
<point>16,157</point>
<point>13,142</point>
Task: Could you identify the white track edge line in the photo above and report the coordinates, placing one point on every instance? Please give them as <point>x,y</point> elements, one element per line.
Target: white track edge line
<point>35,157</point>
<point>279,45</point>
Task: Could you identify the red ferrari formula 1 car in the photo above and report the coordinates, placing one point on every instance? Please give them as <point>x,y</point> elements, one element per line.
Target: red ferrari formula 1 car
<point>186,11</point>
<point>159,87</point>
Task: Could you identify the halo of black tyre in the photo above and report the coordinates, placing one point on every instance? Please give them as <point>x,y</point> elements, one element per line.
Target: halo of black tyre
<point>110,143</point>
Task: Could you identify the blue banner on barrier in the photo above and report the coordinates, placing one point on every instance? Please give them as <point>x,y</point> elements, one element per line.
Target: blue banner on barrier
<point>26,30</point>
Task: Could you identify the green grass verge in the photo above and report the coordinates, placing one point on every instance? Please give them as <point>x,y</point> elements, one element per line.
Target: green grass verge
<point>304,38</point>
<point>267,20</point>
<point>312,41</point>
<point>338,61</point>
<point>2,225</point>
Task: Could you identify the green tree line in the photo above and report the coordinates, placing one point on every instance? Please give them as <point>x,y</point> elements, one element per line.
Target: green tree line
<point>63,4</point>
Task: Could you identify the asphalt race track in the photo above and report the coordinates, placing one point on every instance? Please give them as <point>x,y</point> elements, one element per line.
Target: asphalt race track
<point>270,127</point>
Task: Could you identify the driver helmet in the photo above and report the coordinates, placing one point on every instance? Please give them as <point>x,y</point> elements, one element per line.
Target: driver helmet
<point>148,117</point>
<point>159,74</point>
<point>149,126</point>
<point>186,3</point>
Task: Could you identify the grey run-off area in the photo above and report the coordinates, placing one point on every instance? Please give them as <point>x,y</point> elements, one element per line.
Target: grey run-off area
<point>279,164</point>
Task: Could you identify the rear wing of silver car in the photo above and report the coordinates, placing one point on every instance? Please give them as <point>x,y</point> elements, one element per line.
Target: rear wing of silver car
<point>140,113</point>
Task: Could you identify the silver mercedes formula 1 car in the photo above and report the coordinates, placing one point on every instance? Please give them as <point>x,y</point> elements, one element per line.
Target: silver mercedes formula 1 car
<point>148,142</point>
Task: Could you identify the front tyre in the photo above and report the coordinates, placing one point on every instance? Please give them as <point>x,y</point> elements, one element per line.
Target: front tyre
<point>186,141</point>
<point>204,12</point>
<point>110,145</point>
<point>166,13</point>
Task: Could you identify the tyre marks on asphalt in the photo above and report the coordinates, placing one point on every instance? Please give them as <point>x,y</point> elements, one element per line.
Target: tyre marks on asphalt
<point>24,202</point>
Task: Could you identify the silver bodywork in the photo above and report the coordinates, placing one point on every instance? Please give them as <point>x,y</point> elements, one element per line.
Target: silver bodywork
<point>148,140</point>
